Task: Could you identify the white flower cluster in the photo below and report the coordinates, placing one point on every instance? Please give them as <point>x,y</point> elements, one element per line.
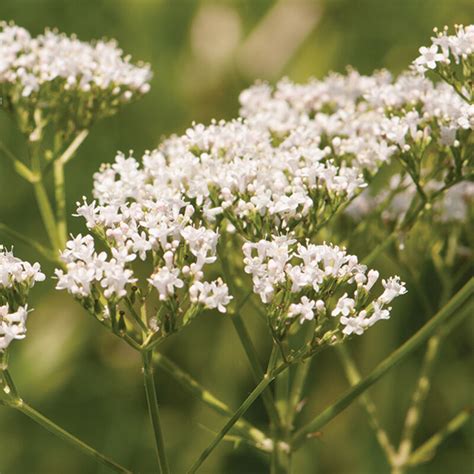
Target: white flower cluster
<point>446,48</point>
<point>16,279</point>
<point>161,232</point>
<point>365,120</point>
<point>35,62</point>
<point>235,171</point>
<point>332,111</point>
<point>303,281</point>
<point>59,80</point>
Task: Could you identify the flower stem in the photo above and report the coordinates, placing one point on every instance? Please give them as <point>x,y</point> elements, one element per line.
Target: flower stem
<point>60,197</point>
<point>257,370</point>
<point>46,213</point>
<point>42,200</point>
<point>153,411</point>
<point>11,398</point>
<point>256,392</point>
<point>426,451</point>
<point>458,300</point>
<point>420,393</point>
<point>63,434</point>
<point>246,429</point>
<point>13,234</point>
<point>353,375</point>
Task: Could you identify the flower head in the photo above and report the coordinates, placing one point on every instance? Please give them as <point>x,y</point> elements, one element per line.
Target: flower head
<point>17,277</point>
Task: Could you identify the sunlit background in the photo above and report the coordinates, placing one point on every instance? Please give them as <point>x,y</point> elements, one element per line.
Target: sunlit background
<point>203,53</point>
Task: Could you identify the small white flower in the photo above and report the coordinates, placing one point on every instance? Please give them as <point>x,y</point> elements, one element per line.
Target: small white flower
<point>305,309</point>
<point>393,288</point>
<point>344,307</point>
<point>165,280</point>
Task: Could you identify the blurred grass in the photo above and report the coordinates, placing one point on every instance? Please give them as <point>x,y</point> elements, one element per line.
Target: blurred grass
<point>89,382</point>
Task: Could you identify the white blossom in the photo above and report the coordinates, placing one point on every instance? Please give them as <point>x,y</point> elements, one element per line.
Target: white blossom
<point>17,277</point>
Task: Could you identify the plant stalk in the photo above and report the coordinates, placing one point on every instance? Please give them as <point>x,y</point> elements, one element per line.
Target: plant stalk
<point>13,400</point>
<point>256,392</point>
<point>456,302</point>
<point>60,197</point>
<point>154,411</point>
<point>246,429</point>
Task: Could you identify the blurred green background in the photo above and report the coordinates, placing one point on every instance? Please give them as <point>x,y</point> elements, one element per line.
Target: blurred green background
<point>203,53</point>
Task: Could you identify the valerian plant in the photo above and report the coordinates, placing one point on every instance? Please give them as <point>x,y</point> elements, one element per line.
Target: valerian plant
<point>253,210</point>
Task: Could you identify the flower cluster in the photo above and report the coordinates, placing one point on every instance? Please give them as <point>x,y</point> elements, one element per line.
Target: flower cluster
<point>320,283</point>
<point>53,78</point>
<point>450,56</point>
<point>16,279</point>
<point>446,48</point>
<point>155,246</point>
<point>236,174</point>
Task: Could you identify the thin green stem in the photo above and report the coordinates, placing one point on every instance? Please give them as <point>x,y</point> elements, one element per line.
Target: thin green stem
<point>154,411</point>
<point>246,341</point>
<point>46,213</point>
<point>281,456</point>
<point>246,429</point>
<point>11,398</point>
<point>135,315</point>
<point>64,435</point>
<point>257,370</point>
<point>427,450</point>
<point>296,391</point>
<point>44,205</point>
<point>353,375</point>
<point>20,168</point>
<point>68,154</point>
<point>256,392</point>
<point>456,302</point>
<point>60,197</point>
<point>420,393</point>
<point>13,234</point>
<point>297,386</point>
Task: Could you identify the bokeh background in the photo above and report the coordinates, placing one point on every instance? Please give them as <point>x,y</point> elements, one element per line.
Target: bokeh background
<point>203,53</point>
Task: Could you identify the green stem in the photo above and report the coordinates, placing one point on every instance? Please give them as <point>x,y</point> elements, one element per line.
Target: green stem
<point>13,234</point>
<point>64,435</point>
<point>42,200</point>
<point>21,169</point>
<point>154,412</point>
<point>47,214</point>
<point>60,196</point>
<point>353,375</point>
<point>297,386</point>
<point>256,392</point>
<point>281,455</point>
<point>73,146</point>
<point>11,398</point>
<point>420,393</point>
<point>246,341</point>
<point>427,450</point>
<point>260,439</point>
<point>257,370</point>
<point>461,297</point>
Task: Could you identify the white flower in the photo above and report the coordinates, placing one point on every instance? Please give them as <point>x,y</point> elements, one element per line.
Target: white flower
<point>211,295</point>
<point>12,325</point>
<point>14,272</point>
<point>354,325</point>
<point>345,306</point>
<point>16,279</point>
<point>393,288</point>
<point>428,58</point>
<point>74,65</point>
<point>303,309</point>
<point>165,280</point>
